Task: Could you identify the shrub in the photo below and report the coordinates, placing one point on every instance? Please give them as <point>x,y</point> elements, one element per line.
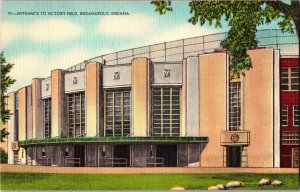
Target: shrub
<point>3,156</point>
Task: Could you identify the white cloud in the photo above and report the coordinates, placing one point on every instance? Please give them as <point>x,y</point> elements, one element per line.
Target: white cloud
<point>125,26</point>
<point>9,32</point>
<point>53,30</point>
<point>32,65</point>
<point>180,32</point>
<point>50,31</point>
<point>27,66</point>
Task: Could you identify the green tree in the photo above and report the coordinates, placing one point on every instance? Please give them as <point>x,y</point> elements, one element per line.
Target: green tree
<point>3,134</point>
<point>3,156</point>
<point>6,81</point>
<point>243,17</point>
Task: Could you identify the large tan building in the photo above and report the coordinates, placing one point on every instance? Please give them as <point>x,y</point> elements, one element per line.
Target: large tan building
<point>141,110</point>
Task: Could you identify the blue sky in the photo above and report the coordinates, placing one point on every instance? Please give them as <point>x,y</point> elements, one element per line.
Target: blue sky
<point>39,44</point>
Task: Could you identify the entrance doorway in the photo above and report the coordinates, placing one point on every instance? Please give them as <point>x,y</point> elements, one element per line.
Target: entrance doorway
<point>79,155</point>
<point>295,158</point>
<point>234,156</point>
<point>121,156</point>
<point>168,153</point>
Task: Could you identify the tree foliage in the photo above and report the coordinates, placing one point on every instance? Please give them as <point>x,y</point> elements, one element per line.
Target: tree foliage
<point>243,17</point>
<point>3,135</point>
<point>162,7</point>
<point>6,81</point>
<point>3,156</point>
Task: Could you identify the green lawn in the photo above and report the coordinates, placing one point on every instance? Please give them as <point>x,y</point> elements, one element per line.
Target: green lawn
<point>43,181</point>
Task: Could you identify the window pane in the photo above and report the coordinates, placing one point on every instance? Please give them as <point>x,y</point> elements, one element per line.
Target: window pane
<point>290,138</point>
<point>295,72</point>
<point>284,116</point>
<point>166,111</point>
<point>284,70</point>
<point>284,87</point>
<point>76,114</point>
<point>296,115</point>
<point>235,106</point>
<point>289,79</point>
<point>117,112</point>
<point>284,79</point>
<point>47,117</point>
<point>295,87</point>
<point>294,79</point>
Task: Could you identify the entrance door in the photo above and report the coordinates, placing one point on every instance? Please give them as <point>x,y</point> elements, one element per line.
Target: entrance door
<point>169,153</point>
<point>295,158</point>
<point>79,155</point>
<point>234,156</point>
<point>121,156</point>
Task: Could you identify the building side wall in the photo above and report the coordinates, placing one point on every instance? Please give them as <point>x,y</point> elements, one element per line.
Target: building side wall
<point>22,113</point>
<point>286,160</point>
<point>75,82</point>
<point>289,99</point>
<point>212,105</point>
<point>37,109</point>
<point>29,112</point>
<point>140,96</point>
<point>276,108</point>
<point>193,155</point>
<point>93,97</point>
<point>258,108</point>
<point>46,87</point>
<point>175,74</point>
<point>183,100</point>
<point>192,96</point>
<point>11,127</point>
<point>57,104</point>
<point>123,80</point>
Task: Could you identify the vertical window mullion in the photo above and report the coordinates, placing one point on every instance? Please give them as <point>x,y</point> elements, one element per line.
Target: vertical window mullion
<point>296,115</point>
<point>47,103</point>
<point>171,111</point>
<point>294,79</point>
<point>82,108</point>
<point>80,100</point>
<point>113,108</point>
<point>47,111</point>
<point>284,116</point>
<point>68,115</point>
<point>44,118</point>
<point>234,106</point>
<point>290,79</point>
<point>117,116</point>
<point>161,111</point>
<point>166,111</point>
<point>74,116</point>
<point>47,118</point>
<point>122,113</point>
<point>104,114</point>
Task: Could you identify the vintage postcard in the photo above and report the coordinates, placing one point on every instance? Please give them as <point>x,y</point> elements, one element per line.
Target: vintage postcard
<point>149,95</point>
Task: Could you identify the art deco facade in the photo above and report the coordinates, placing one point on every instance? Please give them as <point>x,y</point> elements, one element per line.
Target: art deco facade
<point>155,108</point>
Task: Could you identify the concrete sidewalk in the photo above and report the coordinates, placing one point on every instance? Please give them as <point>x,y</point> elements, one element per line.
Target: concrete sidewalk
<point>135,170</point>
